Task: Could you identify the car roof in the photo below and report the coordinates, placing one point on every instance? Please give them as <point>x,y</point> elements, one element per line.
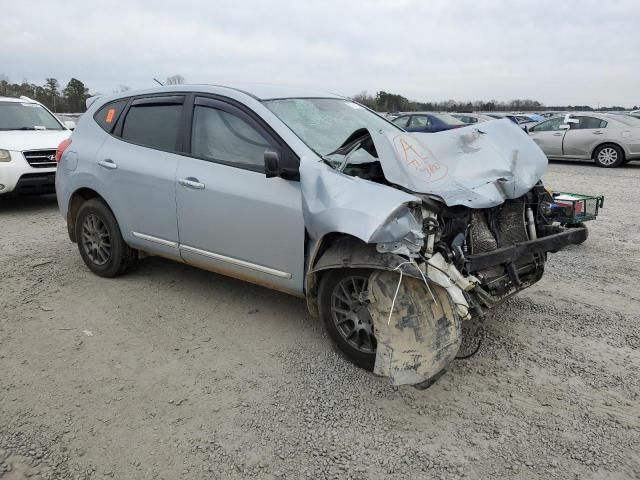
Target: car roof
<point>259,91</point>
<point>17,100</point>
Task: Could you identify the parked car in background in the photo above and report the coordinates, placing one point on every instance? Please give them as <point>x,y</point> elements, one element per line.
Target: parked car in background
<point>29,135</point>
<point>428,122</point>
<point>314,195</point>
<point>523,121</point>
<point>69,119</point>
<point>552,114</point>
<point>534,117</point>
<point>470,118</point>
<point>608,140</point>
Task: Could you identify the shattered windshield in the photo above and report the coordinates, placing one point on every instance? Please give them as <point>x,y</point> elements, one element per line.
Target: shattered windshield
<point>26,116</point>
<point>325,124</point>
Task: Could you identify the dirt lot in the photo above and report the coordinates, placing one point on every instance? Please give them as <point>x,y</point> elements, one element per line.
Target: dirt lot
<point>171,372</point>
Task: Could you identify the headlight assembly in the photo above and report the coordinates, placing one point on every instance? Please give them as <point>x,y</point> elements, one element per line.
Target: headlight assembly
<point>5,156</point>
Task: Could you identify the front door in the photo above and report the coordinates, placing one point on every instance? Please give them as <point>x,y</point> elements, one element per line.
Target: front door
<point>548,135</point>
<point>231,217</point>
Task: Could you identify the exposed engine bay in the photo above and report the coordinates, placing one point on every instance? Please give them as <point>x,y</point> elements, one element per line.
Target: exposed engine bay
<point>467,217</point>
<point>459,233</point>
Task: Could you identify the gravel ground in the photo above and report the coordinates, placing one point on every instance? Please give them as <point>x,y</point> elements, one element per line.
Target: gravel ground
<point>172,372</point>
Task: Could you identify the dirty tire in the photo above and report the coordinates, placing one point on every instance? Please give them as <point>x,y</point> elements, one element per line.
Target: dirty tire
<point>364,357</point>
<point>608,155</point>
<point>96,223</point>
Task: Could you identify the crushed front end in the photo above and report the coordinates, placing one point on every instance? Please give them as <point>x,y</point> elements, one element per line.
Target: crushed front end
<point>501,249</point>
<point>449,225</point>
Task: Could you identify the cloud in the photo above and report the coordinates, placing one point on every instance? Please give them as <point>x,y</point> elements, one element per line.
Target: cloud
<point>559,52</point>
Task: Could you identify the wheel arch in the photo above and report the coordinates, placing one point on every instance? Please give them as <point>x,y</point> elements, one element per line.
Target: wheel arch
<point>340,250</point>
<point>608,142</point>
<point>76,200</point>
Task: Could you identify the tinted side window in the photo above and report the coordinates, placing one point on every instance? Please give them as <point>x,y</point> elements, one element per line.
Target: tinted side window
<point>402,122</point>
<point>154,126</point>
<point>222,136</point>
<point>588,122</point>
<point>108,115</point>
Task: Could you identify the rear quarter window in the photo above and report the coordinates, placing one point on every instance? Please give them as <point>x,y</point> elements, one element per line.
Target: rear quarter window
<point>154,126</point>
<point>108,114</point>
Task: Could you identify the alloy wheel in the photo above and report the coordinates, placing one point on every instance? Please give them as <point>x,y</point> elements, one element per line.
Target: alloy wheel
<point>96,240</point>
<point>350,313</point>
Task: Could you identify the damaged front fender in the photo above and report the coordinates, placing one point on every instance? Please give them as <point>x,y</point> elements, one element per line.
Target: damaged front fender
<point>417,330</point>
<point>374,213</point>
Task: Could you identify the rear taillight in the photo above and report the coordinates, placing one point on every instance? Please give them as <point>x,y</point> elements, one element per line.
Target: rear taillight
<point>61,148</point>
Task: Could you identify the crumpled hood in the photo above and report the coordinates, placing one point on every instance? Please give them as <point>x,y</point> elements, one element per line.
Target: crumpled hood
<point>20,140</point>
<point>478,166</point>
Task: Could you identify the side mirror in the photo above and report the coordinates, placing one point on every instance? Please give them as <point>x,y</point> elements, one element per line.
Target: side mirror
<point>70,124</point>
<point>271,164</point>
<point>526,129</point>
<point>275,166</point>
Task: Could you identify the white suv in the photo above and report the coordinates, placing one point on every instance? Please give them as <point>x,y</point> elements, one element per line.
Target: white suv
<point>29,136</point>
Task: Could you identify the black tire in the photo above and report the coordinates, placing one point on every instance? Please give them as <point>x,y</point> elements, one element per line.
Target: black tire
<point>100,240</point>
<point>608,155</point>
<point>330,282</point>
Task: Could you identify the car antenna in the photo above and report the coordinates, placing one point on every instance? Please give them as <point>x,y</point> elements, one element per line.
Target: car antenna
<point>158,82</point>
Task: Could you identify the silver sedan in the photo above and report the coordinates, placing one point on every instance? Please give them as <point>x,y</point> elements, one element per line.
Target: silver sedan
<point>608,140</point>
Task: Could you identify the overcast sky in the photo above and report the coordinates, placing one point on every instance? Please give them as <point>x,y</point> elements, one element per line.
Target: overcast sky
<point>555,51</point>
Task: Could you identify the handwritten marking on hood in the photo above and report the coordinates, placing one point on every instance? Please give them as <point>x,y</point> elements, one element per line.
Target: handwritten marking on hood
<point>415,156</point>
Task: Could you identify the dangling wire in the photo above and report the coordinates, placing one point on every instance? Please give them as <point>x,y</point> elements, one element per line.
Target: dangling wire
<point>393,302</point>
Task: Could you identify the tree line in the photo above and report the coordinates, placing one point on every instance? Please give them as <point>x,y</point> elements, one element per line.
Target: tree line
<point>72,99</point>
<point>68,99</point>
<point>392,102</point>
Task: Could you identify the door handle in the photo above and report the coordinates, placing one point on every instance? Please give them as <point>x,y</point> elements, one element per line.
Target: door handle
<point>108,164</point>
<point>559,134</point>
<point>597,133</point>
<point>191,182</point>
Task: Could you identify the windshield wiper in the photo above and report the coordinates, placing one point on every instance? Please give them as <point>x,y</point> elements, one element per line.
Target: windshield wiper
<point>347,157</point>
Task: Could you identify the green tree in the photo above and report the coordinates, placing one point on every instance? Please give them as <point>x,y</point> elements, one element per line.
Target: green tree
<point>75,94</point>
<point>52,89</point>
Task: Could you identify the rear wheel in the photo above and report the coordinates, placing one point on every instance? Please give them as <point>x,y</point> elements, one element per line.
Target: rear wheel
<point>608,156</point>
<point>343,303</point>
<point>100,241</point>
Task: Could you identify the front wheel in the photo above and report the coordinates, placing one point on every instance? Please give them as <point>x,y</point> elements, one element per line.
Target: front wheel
<point>608,156</point>
<point>343,304</point>
<point>100,241</point>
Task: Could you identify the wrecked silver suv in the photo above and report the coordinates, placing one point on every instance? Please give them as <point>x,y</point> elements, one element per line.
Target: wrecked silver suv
<point>394,239</point>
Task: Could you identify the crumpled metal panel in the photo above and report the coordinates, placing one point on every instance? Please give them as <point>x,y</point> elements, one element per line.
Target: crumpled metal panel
<point>422,337</point>
<point>336,202</point>
<point>478,166</point>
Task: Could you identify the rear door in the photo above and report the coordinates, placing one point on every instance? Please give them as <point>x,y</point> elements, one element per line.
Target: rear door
<point>548,135</point>
<point>584,135</point>
<point>231,217</point>
<point>138,165</point>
